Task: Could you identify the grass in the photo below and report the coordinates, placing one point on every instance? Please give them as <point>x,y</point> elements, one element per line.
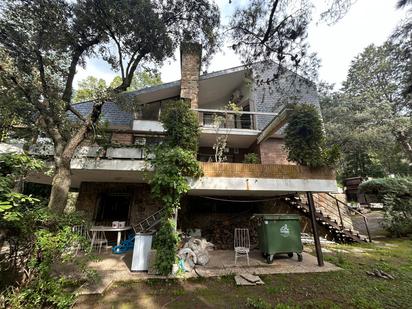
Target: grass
<point>349,288</point>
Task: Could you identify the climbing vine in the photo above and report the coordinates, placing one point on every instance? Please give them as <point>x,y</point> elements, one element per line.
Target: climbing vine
<point>175,161</point>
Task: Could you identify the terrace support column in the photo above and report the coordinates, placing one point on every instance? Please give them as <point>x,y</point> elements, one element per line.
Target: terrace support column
<point>312,211</point>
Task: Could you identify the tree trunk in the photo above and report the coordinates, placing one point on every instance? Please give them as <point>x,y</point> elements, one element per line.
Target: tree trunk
<point>60,189</point>
<point>62,179</point>
<point>407,147</point>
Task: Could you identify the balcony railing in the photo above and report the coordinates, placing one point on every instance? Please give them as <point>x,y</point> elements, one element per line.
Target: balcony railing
<point>242,170</point>
<point>229,119</point>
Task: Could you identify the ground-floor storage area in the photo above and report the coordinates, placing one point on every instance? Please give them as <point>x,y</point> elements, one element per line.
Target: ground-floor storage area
<point>211,217</point>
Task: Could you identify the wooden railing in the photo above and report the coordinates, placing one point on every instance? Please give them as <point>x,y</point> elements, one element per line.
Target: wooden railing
<point>265,171</point>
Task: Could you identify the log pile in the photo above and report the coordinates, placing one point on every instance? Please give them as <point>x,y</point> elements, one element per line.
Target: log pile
<point>220,232</point>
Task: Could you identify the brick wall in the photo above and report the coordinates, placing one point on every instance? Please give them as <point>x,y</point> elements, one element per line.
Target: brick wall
<point>272,152</point>
<point>142,205</point>
<point>190,69</point>
<point>122,138</point>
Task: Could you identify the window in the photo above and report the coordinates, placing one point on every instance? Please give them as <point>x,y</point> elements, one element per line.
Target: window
<point>113,207</point>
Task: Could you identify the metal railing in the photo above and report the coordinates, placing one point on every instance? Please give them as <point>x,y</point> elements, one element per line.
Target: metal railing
<point>229,120</point>
<point>341,205</point>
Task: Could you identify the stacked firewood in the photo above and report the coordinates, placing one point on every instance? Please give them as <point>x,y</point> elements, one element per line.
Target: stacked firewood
<point>221,232</point>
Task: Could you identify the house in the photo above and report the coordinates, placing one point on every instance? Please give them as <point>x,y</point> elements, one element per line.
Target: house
<point>113,182</point>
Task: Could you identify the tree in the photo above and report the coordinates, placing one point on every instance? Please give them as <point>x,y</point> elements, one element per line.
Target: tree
<point>14,111</point>
<point>91,87</point>
<point>273,31</point>
<point>43,41</point>
<point>374,89</point>
<point>141,79</point>
<point>370,117</point>
<point>305,140</point>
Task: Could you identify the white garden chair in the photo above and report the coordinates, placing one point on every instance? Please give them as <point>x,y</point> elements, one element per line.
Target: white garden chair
<point>83,231</point>
<point>99,239</point>
<point>242,244</point>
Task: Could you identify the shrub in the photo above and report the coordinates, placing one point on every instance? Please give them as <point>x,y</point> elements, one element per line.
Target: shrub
<point>38,239</point>
<point>251,158</point>
<point>396,196</point>
<point>305,140</point>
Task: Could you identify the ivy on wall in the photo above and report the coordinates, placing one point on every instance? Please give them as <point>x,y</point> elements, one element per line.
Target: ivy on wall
<point>175,161</point>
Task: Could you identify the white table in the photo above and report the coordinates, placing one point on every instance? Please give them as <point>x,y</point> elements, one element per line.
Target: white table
<point>101,228</point>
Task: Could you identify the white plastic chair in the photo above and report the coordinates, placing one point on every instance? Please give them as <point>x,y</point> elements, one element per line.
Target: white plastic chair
<point>99,239</point>
<point>242,244</point>
<point>83,231</point>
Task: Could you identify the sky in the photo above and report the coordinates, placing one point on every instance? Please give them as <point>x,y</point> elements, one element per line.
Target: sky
<point>367,22</point>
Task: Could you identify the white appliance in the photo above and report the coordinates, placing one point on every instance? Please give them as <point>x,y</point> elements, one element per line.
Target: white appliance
<point>142,246</point>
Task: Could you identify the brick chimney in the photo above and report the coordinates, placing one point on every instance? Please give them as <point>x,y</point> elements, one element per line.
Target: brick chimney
<point>190,60</point>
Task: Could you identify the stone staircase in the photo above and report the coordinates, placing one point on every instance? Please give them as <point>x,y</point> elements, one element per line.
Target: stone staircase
<point>331,213</point>
<point>150,222</point>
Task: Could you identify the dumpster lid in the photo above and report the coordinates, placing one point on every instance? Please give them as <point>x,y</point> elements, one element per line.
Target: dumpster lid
<point>277,216</point>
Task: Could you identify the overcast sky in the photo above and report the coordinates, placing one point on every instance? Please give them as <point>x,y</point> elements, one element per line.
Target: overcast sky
<point>368,22</point>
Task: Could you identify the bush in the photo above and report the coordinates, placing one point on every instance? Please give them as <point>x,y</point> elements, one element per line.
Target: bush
<point>305,140</point>
<point>251,158</point>
<point>38,239</point>
<point>396,196</point>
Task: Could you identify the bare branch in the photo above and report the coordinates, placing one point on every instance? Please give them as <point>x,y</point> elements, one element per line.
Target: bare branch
<point>270,22</point>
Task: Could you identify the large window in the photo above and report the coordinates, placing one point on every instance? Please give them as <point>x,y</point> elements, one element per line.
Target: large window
<point>113,207</point>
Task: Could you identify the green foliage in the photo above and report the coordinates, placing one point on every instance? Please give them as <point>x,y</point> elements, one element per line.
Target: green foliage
<point>401,186</point>
<point>251,158</point>
<point>165,242</point>
<point>396,195</point>
<point>141,79</point>
<point>304,138</point>
<point>174,161</point>
<point>91,87</point>
<point>370,117</point>
<point>181,124</point>
<point>38,239</point>
<point>172,166</point>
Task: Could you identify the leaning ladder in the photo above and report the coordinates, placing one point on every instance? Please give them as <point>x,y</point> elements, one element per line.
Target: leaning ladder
<point>149,222</point>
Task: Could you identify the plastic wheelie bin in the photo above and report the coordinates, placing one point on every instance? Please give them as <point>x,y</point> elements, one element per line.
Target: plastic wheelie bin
<point>279,233</point>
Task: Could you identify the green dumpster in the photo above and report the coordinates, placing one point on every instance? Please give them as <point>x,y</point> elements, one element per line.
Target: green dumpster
<point>279,234</point>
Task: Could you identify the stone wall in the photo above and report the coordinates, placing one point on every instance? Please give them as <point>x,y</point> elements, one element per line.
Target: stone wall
<point>190,70</point>
<point>217,220</point>
<point>142,205</point>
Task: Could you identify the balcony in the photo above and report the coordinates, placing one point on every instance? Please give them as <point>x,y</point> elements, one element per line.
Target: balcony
<point>265,171</point>
<point>240,179</point>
